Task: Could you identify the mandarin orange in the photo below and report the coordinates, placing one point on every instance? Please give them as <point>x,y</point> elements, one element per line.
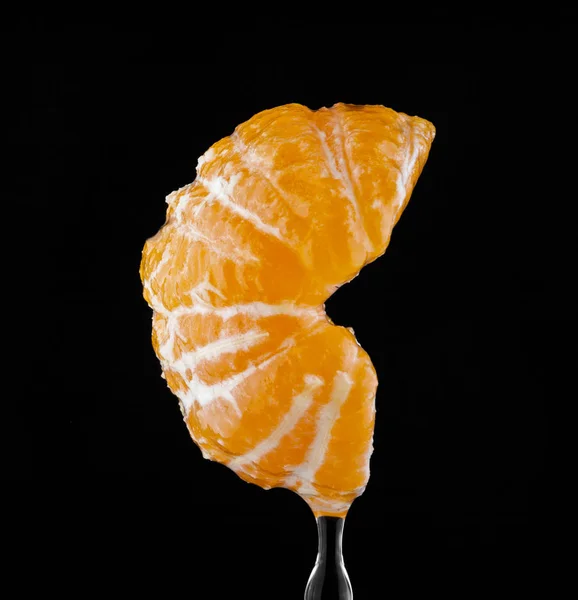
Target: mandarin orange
<point>282,212</point>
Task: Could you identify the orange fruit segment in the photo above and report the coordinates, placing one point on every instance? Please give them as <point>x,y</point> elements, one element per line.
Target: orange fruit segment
<point>282,212</point>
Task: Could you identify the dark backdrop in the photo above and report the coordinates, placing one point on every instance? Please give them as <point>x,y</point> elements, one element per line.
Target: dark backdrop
<point>467,317</point>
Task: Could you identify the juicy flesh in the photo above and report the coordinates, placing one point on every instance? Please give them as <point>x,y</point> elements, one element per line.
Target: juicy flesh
<point>283,212</point>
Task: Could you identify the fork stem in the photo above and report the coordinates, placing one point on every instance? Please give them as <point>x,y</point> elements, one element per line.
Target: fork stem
<point>329,579</point>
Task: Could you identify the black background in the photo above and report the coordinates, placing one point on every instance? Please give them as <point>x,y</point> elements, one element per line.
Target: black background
<point>468,316</point>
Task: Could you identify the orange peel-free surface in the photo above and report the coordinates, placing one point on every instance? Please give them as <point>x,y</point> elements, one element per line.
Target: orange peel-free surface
<point>282,212</point>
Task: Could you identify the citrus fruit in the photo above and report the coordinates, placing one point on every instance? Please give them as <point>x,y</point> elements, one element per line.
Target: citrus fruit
<point>282,212</point>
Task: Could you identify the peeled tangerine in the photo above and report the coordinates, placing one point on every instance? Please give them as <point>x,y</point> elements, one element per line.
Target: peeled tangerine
<point>282,212</point>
